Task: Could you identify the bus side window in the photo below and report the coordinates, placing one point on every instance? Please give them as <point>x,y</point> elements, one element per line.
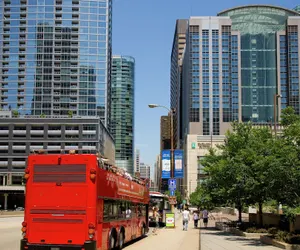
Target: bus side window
<point>140,209</point>
<point>143,210</point>
<point>128,210</point>
<point>115,211</point>
<point>133,210</point>
<point>107,210</point>
<point>122,210</point>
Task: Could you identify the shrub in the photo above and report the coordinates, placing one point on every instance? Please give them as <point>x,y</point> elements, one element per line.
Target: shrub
<point>256,230</point>
<point>251,230</point>
<point>272,230</point>
<point>281,236</point>
<point>293,239</point>
<point>262,230</point>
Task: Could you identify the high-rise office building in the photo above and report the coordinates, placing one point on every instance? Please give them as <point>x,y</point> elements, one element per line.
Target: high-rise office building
<point>176,78</point>
<point>210,76</point>
<point>165,143</point>
<point>145,171</point>
<point>55,57</point>
<point>137,160</point>
<point>123,110</point>
<point>269,46</point>
<point>55,69</point>
<point>233,66</point>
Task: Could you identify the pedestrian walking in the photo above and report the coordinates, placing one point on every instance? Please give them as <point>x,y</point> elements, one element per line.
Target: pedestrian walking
<point>185,218</point>
<point>196,219</point>
<point>156,216</point>
<point>180,207</point>
<point>205,217</point>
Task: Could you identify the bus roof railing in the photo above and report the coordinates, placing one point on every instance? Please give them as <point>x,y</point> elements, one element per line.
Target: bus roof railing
<point>103,163</point>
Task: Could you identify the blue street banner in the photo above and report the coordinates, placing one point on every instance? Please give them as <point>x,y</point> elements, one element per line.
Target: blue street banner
<point>166,164</point>
<point>178,162</point>
<point>172,193</point>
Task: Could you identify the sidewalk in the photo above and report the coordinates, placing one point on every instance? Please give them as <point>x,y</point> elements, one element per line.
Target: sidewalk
<point>9,214</point>
<point>166,239</point>
<point>212,239</point>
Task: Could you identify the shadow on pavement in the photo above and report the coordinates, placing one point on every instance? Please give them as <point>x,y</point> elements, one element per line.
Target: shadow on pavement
<point>134,241</point>
<point>230,237</point>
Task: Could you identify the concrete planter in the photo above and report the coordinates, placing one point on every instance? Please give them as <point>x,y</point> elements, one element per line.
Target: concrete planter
<point>268,240</point>
<point>223,227</point>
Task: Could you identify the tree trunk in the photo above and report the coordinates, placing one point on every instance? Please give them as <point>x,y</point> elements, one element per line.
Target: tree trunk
<point>240,212</point>
<point>260,214</point>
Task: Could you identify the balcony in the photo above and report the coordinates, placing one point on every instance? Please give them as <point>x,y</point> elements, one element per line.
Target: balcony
<point>54,147</point>
<point>71,132</point>
<point>89,132</point>
<point>18,163</point>
<point>19,147</point>
<point>89,147</point>
<point>36,132</point>
<point>71,147</point>
<point>19,132</point>
<point>36,147</point>
<point>54,132</point>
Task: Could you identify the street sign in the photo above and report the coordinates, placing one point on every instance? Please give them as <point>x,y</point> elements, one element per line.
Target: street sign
<point>172,184</point>
<point>172,200</point>
<point>172,193</point>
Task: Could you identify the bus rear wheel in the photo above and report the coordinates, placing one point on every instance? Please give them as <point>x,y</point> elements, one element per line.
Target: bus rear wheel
<point>121,241</point>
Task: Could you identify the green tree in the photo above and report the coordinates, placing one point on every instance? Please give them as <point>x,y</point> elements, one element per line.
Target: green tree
<point>201,198</point>
<point>240,174</point>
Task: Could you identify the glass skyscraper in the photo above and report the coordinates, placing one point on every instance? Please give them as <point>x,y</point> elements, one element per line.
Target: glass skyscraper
<point>269,58</point>
<point>55,57</point>
<point>234,65</point>
<point>122,115</point>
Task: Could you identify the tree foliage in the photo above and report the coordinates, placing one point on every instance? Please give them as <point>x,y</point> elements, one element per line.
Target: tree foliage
<point>254,166</point>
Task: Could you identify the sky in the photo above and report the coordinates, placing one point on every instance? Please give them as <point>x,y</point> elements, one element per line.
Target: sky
<point>145,29</point>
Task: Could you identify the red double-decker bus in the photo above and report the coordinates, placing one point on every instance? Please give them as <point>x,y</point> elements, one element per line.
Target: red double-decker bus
<point>74,201</point>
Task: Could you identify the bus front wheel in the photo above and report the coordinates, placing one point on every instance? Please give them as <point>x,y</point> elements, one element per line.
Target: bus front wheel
<point>143,231</point>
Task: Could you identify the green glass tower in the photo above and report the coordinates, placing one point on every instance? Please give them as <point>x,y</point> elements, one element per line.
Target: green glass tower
<point>122,115</point>
<point>267,35</point>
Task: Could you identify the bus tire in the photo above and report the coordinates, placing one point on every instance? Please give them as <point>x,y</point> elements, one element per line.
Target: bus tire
<point>121,240</point>
<point>112,240</point>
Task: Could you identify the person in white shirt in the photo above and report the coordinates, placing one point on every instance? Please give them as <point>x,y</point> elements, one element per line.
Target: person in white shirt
<point>205,217</point>
<point>185,219</point>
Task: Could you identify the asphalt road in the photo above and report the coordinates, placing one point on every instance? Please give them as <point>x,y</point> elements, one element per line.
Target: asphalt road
<point>10,233</point>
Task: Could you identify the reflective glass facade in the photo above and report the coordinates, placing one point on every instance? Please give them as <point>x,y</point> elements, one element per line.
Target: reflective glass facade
<point>122,115</point>
<point>194,98</point>
<point>205,82</point>
<point>55,57</point>
<point>211,80</point>
<point>258,26</point>
<point>293,63</point>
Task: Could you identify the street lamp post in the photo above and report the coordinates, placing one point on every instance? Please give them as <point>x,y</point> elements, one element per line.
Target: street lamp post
<point>276,97</point>
<point>170,111</point>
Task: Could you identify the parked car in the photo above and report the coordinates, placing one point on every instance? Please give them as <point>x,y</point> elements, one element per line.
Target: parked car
<point>20,209</point>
